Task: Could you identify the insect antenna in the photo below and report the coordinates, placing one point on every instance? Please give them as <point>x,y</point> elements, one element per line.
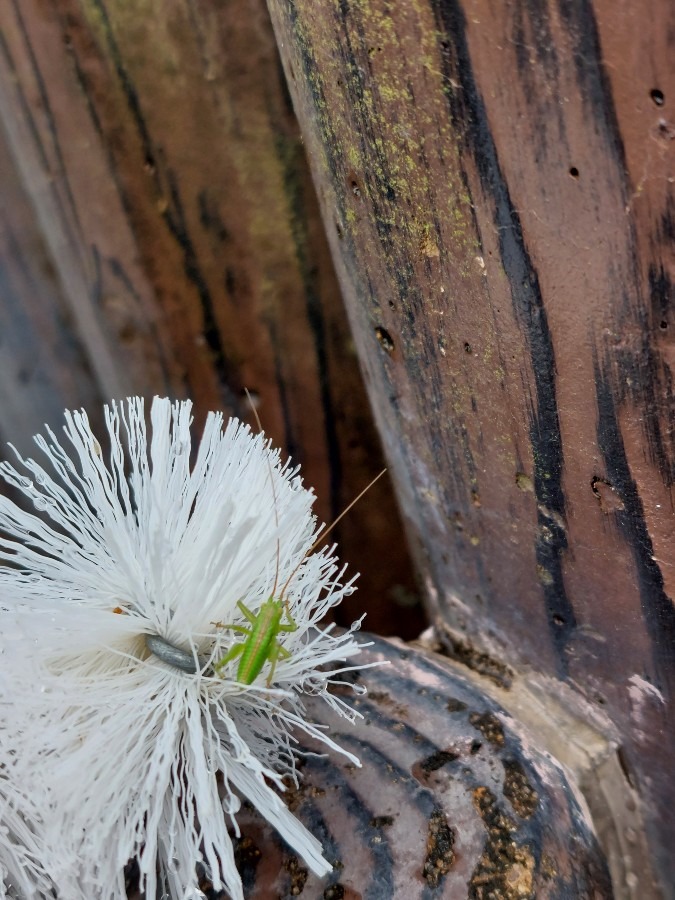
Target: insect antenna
<point>274,492</point>
<point>324,534</point>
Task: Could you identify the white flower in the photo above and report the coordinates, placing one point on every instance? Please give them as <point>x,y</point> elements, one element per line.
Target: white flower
<point>21,874</point>
<point>135,550</point>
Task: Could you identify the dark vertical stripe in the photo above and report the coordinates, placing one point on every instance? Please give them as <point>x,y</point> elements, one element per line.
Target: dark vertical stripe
<point>658,611</point>
<point>174,214</point>
<point>467,112</point>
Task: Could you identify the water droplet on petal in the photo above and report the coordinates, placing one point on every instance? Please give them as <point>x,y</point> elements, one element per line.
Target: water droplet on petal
<point>179,448</point>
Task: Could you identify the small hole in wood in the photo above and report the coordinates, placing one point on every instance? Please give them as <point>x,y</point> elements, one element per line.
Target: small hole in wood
<point>574,172</point>
<point>663,325</point>
<point>665,130</point>
<point>467,347</point>
<point>558,620</point>
<point>126,333</point>
<point>354,185</point>
<point>657,97</point>
<point>623,763</point>
<point>338,228</point>
<point>385,339</point>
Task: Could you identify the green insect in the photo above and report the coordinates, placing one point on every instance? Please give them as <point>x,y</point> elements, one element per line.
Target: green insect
<point>261,644</point>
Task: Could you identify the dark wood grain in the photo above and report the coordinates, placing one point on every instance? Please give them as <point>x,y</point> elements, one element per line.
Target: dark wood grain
<point>497,185</point>
<point>157,146</point>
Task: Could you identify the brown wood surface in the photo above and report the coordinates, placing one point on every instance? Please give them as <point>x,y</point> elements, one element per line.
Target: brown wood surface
<point>496,181</point>
<point>453,800</point>
<point>43,367</point>
<point>161,235</point>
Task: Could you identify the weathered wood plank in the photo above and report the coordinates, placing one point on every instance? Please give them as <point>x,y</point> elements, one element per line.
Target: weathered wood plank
<point>42,366</point>
<point>497,185</point>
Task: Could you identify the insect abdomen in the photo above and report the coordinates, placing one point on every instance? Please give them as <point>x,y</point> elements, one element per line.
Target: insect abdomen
<point>263,635</point>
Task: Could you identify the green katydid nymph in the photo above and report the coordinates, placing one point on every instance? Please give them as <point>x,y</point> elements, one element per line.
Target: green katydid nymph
<point>261,644</point>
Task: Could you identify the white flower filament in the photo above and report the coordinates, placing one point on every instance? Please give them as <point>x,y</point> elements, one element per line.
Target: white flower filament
<point>114,687</point>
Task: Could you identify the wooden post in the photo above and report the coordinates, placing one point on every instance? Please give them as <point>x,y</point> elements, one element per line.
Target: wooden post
<point>496,183</point>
